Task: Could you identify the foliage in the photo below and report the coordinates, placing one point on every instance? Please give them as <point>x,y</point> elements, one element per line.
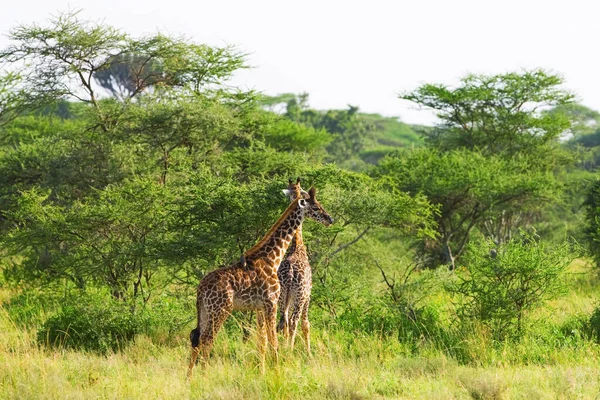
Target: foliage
<point>471,191</point>
<point>391,131</point>
<point>594,323</point>
<point>15,99</point>
<point>62,60</point>
<point>355,138</point>
<point>166,131</point>
<point>285,135</point>
<point>68,51</point>
<point>498,155</point>
<point>92,323</point>
<point>112,241</point>
<point>157,62</point>
<point>592,229</point>
<point>347,128</point>
<point>584,120</point>
<point>30,128</point>
<point>501,285</point>
<point>95,321</point>
<point>31,308</point>
<point>408,291</point>
<point>497,114</point>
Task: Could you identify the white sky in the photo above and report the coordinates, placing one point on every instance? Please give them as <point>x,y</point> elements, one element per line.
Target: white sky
<point>364,52</point>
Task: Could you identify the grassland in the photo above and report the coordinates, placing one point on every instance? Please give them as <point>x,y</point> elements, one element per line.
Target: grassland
<point>344,365</point>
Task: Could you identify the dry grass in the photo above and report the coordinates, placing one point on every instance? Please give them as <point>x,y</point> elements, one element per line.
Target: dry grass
<point>145,370</point>
<point>344,366</point>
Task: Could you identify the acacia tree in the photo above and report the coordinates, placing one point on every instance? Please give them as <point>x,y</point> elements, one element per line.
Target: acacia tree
<point>497,114</point>
<point>493,159</point>
<point>85,207</point>
<point>58,62</point>
<point>64,59</point>
<point>468,188</point>
<point>159,62</point>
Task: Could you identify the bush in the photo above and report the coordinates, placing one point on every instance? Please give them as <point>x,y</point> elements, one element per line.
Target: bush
<point>594,325</point>
<point>98,322</point>
<point>95,323</point>
<point>592,230</point>
<point>501,285</point>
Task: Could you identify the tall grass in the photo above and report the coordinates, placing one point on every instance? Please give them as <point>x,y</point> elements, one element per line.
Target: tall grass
<point>557,359</point>
<point>340,368</point>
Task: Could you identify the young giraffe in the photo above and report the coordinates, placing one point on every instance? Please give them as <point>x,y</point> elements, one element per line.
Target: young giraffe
<point>295,279</point>
<point>251,283</point>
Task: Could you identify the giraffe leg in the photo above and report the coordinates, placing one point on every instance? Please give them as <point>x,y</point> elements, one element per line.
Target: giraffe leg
<point>294,318</point>
<point>203,344</point>
<point>270,310</point>
<point>262,337</point>
<point>195,335</point>
<point>306,326</point>
<point>246,319</point>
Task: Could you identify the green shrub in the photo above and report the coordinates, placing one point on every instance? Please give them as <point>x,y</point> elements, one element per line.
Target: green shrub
<point>594,325</point>
<point>592,229</point>
<point>98,322</point>
<point>95,323</point>
<point>501,285</point>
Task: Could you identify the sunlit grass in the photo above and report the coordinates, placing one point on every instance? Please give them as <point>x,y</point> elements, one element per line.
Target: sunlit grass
<point>345,364</point>
<point>367,367</point>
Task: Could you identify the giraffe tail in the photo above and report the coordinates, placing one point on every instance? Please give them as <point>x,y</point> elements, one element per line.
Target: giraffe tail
<point>195,339</point>
<point>282,323</point>
<point>195,333</point>
<point>195,342</point>
<point>195,336</point>
<point>283,307</point>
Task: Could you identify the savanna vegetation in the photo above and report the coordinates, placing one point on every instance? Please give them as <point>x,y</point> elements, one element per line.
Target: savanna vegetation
<point>463,262</point>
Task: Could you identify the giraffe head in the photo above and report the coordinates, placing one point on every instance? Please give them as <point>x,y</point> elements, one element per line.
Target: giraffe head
<point>294,190</point>
<point>312,208</point>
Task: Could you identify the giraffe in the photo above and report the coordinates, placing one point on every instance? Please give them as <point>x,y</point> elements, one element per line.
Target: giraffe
<point>250,283</point>
<point>295,279</point>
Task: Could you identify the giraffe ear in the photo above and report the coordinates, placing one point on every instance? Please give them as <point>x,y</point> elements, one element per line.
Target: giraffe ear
<point>287,192</point>
<point>301,203</point>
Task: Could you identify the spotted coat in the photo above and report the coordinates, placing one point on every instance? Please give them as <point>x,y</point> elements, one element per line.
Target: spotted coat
<point>251,283</point>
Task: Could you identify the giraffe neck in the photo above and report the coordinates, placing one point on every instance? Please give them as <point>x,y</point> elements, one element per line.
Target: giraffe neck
<point>298,241</point>
<point>272,247</point>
